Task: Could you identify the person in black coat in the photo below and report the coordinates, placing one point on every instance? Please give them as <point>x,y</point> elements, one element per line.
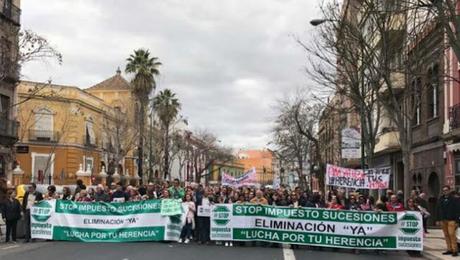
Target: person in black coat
<point>448,214</point>
<point>31,197</point>
<point>203,223</point>
<point>11,213</point>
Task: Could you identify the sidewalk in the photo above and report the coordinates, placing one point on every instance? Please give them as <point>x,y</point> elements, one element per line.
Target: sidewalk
<point>434,245</point>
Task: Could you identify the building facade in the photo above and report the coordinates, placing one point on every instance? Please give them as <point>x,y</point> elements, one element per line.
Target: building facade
<point>451,115</point>
<point>427,151</point>
<point>65,129</point>
<point>262,160</point>
<point>9,75</point>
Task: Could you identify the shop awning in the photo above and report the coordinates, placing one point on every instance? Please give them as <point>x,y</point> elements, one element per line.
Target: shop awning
<point>453,147</point>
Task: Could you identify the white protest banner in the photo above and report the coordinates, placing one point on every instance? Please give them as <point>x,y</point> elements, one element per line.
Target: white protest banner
<point>249,178</point>
<point>371,179</point>
<point>318,227</point>
<point>204,211</point>
<point>351,143</point>
<point>104,222</point>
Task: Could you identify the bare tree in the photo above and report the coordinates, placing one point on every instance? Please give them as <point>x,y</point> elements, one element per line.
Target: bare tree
<point>290,143</point>
<point>204,150</point>
<point>119,136</point>
<point>387,37</point>
<point>340,56</point>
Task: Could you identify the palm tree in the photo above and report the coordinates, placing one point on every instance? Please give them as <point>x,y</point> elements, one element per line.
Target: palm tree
<point>145,68</point>
<point>167,106</point>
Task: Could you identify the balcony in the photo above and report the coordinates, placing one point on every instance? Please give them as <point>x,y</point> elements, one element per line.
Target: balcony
<point>10,11</point>
<point>387,140</point>
<point>454,116</point>
<point>397,84</point>
<point>9,128</point>
<point>45,136</point>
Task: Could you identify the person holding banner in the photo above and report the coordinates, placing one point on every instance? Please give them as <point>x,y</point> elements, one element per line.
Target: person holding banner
<point>187,229</point>
<point>412,206</point>
<point>204,223</point>
<point>31,197</point>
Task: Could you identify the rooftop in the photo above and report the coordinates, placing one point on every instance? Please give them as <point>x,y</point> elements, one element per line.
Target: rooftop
<point>116,82</point>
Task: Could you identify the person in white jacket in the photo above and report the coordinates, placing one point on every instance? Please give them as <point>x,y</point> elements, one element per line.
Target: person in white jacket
<point>189,220</point>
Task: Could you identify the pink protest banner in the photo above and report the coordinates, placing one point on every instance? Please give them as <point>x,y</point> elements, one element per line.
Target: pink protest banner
<point>249,178</point>
<point>370,179</point>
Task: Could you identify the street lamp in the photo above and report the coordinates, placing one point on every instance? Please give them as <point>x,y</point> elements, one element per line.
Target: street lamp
<point>316,22</point>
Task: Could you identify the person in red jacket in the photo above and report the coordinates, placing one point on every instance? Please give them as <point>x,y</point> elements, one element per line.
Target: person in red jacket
<point>394,204</point>
<point>334,204</point>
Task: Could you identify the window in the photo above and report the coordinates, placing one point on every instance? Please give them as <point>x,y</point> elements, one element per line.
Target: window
<point>7,8</point>
<point>433,92</point>
<point>89,163</point>
<point>416,98</point>
<point>42,168</point>
<point>43,126</point>
<point>90,136</point>
<point>4,106</point>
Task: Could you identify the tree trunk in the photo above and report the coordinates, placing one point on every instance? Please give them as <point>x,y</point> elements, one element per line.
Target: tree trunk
<point>166,156</point>
<point>140,149</point>
<point>405,151</point>
<point>150,177</point>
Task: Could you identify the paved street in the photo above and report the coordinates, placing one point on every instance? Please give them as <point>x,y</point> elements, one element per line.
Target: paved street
<point>172,251</point>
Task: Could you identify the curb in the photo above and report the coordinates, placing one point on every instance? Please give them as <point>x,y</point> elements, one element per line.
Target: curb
<point>428,255</point>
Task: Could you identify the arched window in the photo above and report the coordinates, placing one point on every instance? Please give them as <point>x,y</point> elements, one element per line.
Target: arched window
<point>416,100</point>
<point>433,92</point>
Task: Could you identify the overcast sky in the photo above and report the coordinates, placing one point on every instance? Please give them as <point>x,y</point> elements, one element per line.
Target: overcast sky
<point>227,60</point>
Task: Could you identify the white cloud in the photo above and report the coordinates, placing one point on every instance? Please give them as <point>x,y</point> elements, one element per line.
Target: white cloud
<point>228,60</point>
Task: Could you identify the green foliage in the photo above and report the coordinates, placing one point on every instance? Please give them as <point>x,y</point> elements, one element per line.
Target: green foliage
<point>167,106</point>
<point>145,68</point>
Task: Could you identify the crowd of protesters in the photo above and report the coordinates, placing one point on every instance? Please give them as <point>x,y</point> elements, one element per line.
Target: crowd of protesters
<point>197,227</point>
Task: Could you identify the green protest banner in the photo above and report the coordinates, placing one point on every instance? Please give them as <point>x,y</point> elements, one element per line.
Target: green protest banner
<point>319,227</point>
<point>171,207</point>
<point>105,222</point>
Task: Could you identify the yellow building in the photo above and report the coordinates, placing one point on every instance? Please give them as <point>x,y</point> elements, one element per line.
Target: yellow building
<point>216,169</point>
<point>262,160</point>
<point>63,128</point>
